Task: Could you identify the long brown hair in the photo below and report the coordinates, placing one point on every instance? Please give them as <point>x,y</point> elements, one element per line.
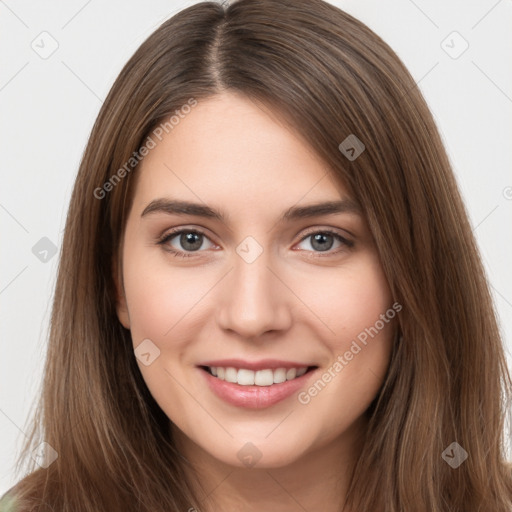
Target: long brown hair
<point>328,76</point>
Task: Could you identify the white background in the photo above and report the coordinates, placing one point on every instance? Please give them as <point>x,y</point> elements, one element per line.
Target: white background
<point>49,106</point>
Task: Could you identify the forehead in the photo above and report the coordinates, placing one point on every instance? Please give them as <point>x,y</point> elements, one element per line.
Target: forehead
<point>230,151</point>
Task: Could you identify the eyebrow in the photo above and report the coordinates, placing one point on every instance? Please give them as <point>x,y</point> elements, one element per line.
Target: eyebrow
<point>178,207</point>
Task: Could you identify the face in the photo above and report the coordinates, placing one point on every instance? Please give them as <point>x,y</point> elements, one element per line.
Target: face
<point>253,285</point>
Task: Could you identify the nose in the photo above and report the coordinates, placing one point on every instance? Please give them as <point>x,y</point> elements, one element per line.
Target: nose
<point>253,299</point>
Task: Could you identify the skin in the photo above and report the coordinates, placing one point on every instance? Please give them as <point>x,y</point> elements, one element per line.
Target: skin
<point>294,302</point>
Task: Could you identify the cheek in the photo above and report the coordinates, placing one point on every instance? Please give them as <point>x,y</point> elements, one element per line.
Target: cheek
<point>161,302</point>
<point>352,299</point>
<point>159,297</point>
<point>358,308</point>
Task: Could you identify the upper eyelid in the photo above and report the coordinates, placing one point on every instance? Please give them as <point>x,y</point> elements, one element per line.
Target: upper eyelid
<point>178,231</point>
<point>310,231</point>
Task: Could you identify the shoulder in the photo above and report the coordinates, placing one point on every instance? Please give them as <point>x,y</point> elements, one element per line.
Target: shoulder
<point>9,502</point>
<point>12,502</point>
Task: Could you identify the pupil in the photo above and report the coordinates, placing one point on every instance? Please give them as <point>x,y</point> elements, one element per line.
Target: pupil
<point>320,238</point>
<point>191,241</point>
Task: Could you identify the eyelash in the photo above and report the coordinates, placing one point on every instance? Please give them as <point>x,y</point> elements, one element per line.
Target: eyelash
<point>168,236</point>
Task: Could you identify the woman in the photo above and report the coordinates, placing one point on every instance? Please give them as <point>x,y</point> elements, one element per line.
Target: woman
<point>327,341</point>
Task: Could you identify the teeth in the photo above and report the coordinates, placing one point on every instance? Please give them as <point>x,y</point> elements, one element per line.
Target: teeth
<point>301,371</point>
<point>291,374</point>
<point>245,377</point>
<point>230,375</point>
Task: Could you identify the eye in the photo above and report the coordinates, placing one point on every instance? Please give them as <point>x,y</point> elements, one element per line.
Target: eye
<point>323,241</point>
<point>191,240</point>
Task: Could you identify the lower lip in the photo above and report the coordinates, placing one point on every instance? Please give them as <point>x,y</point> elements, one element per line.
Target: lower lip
<point>254,397</point>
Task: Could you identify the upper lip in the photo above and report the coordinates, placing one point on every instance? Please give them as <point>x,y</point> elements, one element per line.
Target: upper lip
<point>263,364</point>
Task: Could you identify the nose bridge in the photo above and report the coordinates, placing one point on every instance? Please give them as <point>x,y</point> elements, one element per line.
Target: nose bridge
<point>252,300</point>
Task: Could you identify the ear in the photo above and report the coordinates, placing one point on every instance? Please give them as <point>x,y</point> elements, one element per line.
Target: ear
<point>121,306</point>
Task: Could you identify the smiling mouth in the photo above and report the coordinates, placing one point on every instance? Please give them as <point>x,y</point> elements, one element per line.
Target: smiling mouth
<point>264,377</point>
